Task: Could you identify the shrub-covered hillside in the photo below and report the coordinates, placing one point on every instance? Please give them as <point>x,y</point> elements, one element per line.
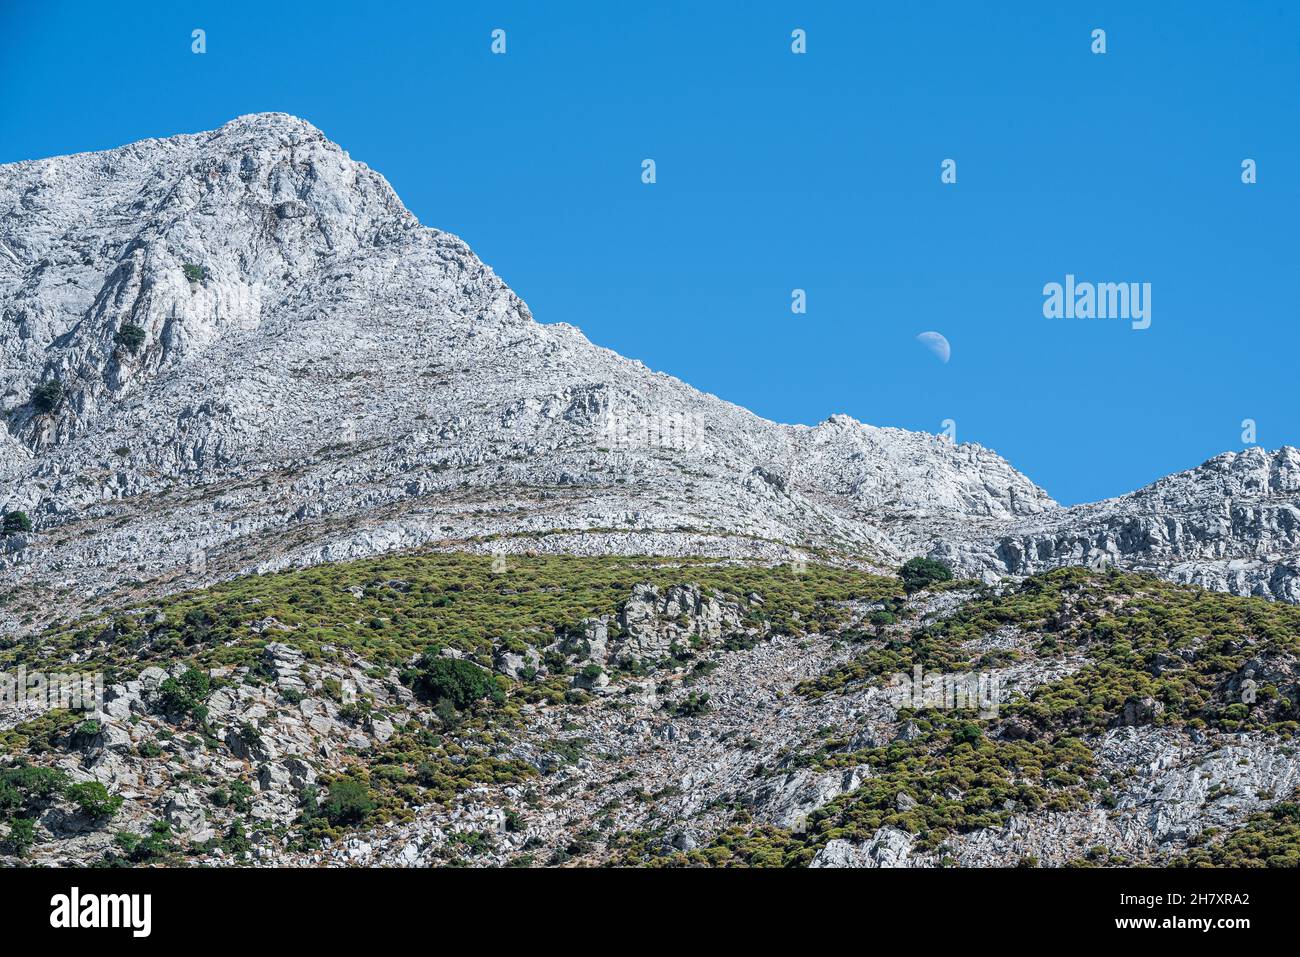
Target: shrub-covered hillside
<point>451,709</point>
<point>1114,651</point>
<point>391,608</point>
<point>295,708</point>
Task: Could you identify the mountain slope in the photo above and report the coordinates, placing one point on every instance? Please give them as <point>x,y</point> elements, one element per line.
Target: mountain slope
<point>265,361</point>
<point>331,379</point>
<point>426,710</point>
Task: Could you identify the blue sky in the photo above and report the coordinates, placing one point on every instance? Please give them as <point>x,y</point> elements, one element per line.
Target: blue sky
<point>777,171</point>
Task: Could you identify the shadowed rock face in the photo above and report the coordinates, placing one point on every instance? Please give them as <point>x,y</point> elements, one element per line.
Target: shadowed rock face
<point>267,361</point>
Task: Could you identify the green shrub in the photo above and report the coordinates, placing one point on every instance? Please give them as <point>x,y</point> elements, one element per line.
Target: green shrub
<point>85,732</point>
<point>26,786</point>
<point>130,337</point>
<point>349,802</point>
<point>184,695</point>
<point>93,799</point>
<point>236,841</point>
<point>194,273</point>
<point>967,733</point>
<point>451,679</point>
<point>693,705</point>
<point>24,791</point>
<point>918,573</point>
<point>21,836</point>
<point>15,522</point>
<point>141,849</point>
<point>241,796</point>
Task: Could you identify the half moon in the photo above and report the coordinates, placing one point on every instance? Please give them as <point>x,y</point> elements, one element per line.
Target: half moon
<point>937,344</point>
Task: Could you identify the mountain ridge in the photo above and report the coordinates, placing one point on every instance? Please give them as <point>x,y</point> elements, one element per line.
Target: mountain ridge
<point>319,376</point>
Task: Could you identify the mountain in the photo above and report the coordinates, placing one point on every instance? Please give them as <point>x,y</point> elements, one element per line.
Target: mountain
<point>377,570</point>
<point>264,361</point>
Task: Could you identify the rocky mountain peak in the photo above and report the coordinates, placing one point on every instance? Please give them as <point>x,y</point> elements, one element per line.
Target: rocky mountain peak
<point>115,266</point>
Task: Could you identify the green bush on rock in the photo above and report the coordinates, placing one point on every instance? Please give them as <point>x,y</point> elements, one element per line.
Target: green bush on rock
<point>15,523</point>
<point>919,573</point>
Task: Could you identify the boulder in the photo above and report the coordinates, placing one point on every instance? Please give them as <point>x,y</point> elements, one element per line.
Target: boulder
<point>888,847</point>
<point>285,663</point>
<point>512,664</point>
<point>151,679</point>
<point>120,700</point>
<point>1137,712</point>
<point>788,800</point>
<point>651,622</point>
<point>380,728</point>
<point>184,812</point>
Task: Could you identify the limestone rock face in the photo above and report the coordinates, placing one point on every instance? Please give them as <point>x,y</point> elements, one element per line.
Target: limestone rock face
<point>265,361</point>
<point>652,622</point>
<point>888,847</point>
<point>788,800</point>
<point>1231,524</point>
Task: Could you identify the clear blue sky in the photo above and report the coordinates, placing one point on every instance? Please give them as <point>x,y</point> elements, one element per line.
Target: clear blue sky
<point>778,171</point>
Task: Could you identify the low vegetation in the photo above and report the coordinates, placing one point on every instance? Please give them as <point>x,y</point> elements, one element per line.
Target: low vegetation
<point>26,790</point>
<point>434,623</point>
<point>1151,653</point>
<point>130,337</point>
<point>15,523</point>
<point>1141,651</point>
<point>393,609</point>
<point>48,396</point>
<point>919,573</point>
<point>1267,839</point>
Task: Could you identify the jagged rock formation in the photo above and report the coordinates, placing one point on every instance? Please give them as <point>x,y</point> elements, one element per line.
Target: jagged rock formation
<point>1233,524</point>
<point>264,360</point>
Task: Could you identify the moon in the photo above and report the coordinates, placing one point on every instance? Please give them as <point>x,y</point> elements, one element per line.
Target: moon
<point>936,343</point>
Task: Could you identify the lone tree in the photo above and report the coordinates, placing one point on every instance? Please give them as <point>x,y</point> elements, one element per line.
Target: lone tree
<point>47,396</point>
<point>462,683</point>
<point>15,522</point>
<point>349,802</point>
<point>918,573</point>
